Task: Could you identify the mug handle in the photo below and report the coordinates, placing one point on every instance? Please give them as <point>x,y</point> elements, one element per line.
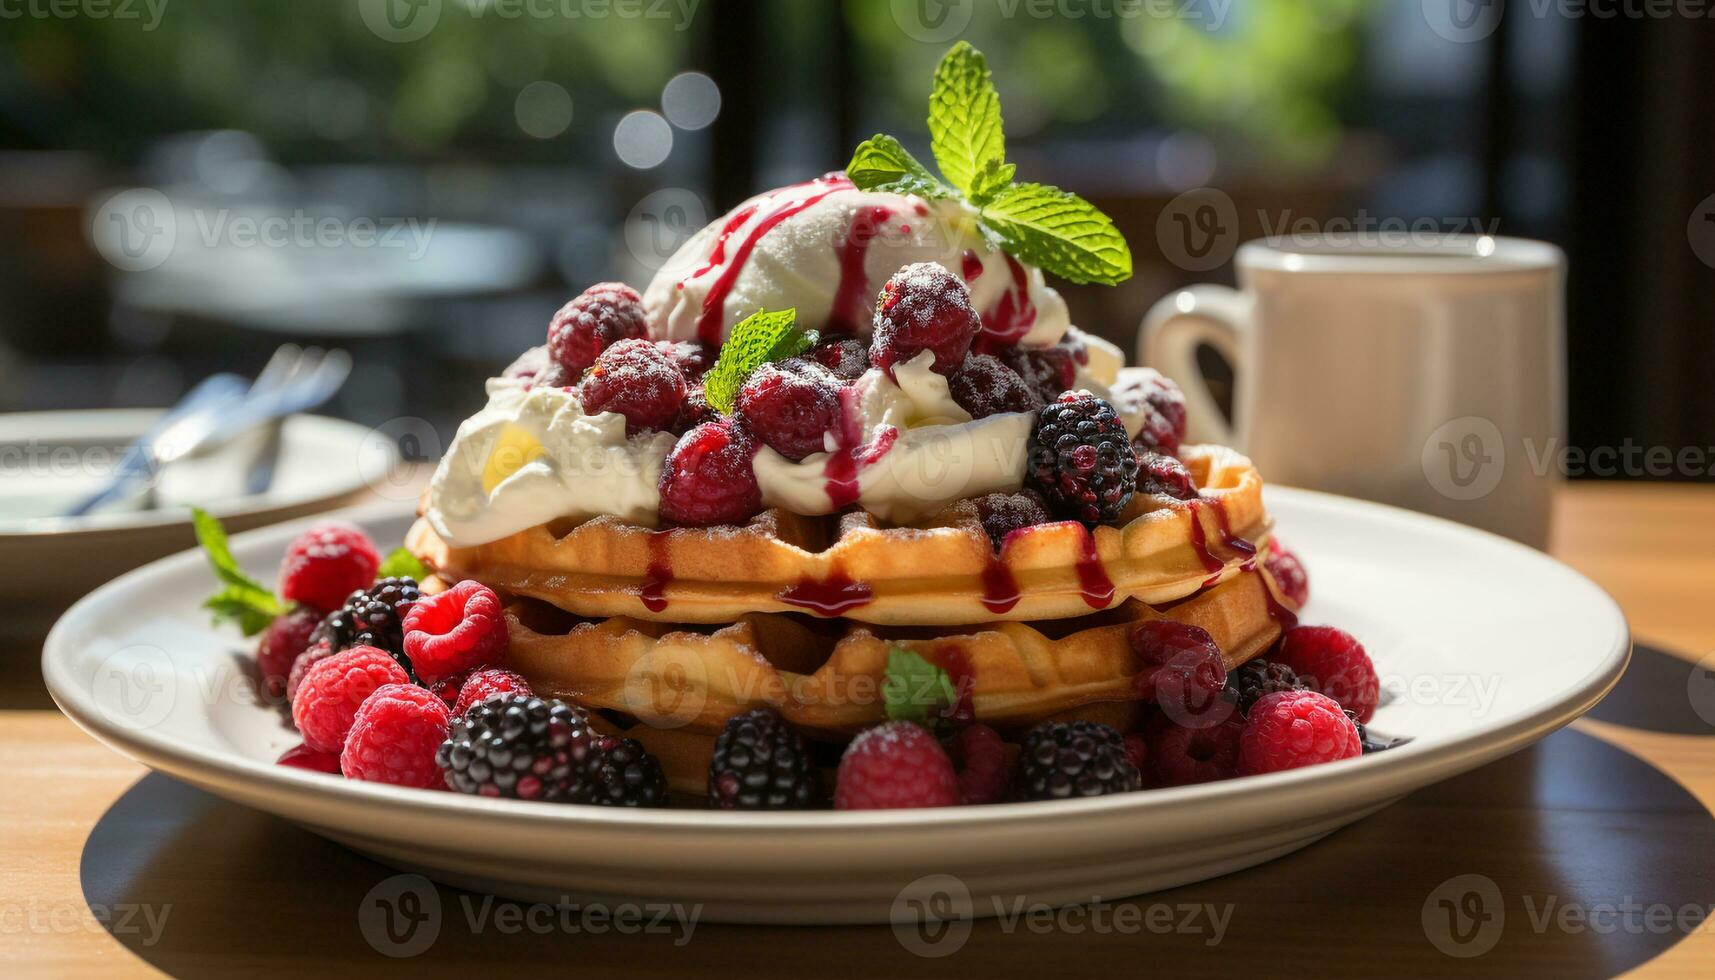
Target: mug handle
<point>1168,340</point>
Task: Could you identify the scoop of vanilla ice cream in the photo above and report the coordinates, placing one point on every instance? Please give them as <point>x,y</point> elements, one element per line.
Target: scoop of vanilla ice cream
<point>825,248</point>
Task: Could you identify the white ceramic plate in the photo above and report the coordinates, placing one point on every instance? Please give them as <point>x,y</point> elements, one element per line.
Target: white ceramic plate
<point>1486,646</point>
<point>51,460</point>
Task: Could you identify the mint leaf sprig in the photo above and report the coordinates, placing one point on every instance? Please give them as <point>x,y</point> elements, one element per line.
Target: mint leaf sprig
<point>1054,229</point>
<point>241,599</point>
<point>757,339</point>
<point>914,689</point>
<point>402,563</point>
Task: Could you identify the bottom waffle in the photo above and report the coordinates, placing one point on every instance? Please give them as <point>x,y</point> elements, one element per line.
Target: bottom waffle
<point>826,678</point>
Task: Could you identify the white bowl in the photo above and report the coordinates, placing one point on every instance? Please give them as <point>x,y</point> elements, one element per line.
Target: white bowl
<point>1485,646</point>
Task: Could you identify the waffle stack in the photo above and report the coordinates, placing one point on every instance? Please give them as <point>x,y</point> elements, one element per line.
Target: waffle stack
<point>670,633</point>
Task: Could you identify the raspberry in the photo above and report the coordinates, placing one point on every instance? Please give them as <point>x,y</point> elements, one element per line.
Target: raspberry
<point>1164,411</point>
<point>1081,460</point>
<point>692,358</point>
<point>761,764</point>
<point>1137,751</point>
<point>324,564</point>
<point>923,307</point>
<point>790,411</point>
<point>284,639</point>
<point>1004,513</point>
<point>695,411</point>
<point>603,314</point>
<point>983,386</point>
<point>1048,371</point>
<point>1162,474</point>
<point>372,617</point>
<point>845,357</point>
<point>1334,663</point>
<point>525,748</point>
<point>635,379</point>
<point>481,685</point>
<point>1290,729</point>
<point>708,477</point>
<point>317,651</point>
<point>979,756</point>
<point>394,736</point>
<point>333,688</point>
<point>892,766</point>
<point>629,776</point>
<point>1182,669</point>
<point>1253,679</point>
<point>454,631</point>
<point>1063,759</point>
<point>1288,573</point>
<point>1182,756</point>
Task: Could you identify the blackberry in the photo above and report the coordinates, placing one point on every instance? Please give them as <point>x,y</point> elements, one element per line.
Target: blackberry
<point>761,764</point>
<point>1255,678</point>
<point>1081,459</point>
<point>372,617</point>
<point>629,775</point>
<point>1064,759</point>
<point>1369,743</point>
<point>522,747</point>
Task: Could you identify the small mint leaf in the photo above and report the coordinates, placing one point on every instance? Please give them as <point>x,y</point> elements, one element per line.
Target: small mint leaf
<point>242,599</point>
<point>991,180</point>
<point>880,163</point>
<point>250,611</point>
<point>964,117</point>
<point>1060,232</point>
<point>402,563</point>
<point>915,689</point>
<point>757,339</point>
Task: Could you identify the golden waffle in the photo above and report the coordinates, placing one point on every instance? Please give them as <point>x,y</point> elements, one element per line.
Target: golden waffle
<point>849,566</point>
<point>826,678</point>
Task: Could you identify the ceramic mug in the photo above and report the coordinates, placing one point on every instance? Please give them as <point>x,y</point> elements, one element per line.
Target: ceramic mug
<point>1426,375</point>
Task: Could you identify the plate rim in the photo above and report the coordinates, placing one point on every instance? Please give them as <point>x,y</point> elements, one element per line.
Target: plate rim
<point>154,520</point>
<point>1400,768</point>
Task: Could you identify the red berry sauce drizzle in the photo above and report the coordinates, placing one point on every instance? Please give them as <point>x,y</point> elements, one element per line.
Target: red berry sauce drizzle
<point>660,574</point>
<point>304,757</point>
<point>971,265</point>
<point>848,460</point>
<point>1229,540</point>
<point>1013,314</point>
<point>957,663</point>
<point>1000,589</point>
<point>854,295</point>
<point>833,596</point>
<point>791,200</point>
<point>1093,581</point>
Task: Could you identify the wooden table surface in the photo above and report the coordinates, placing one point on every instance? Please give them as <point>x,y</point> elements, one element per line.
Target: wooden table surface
<point>1598,845</point>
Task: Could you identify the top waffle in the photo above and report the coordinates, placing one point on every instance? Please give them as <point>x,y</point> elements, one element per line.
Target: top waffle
<point>944,572</point>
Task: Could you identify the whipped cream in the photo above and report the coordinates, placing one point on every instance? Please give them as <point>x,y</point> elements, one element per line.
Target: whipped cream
<point>825,248</point>
<point>531,455</point>
<point>908,450</point>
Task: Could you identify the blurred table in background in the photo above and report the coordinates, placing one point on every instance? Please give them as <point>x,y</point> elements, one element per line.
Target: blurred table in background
<point>1612,812</point>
